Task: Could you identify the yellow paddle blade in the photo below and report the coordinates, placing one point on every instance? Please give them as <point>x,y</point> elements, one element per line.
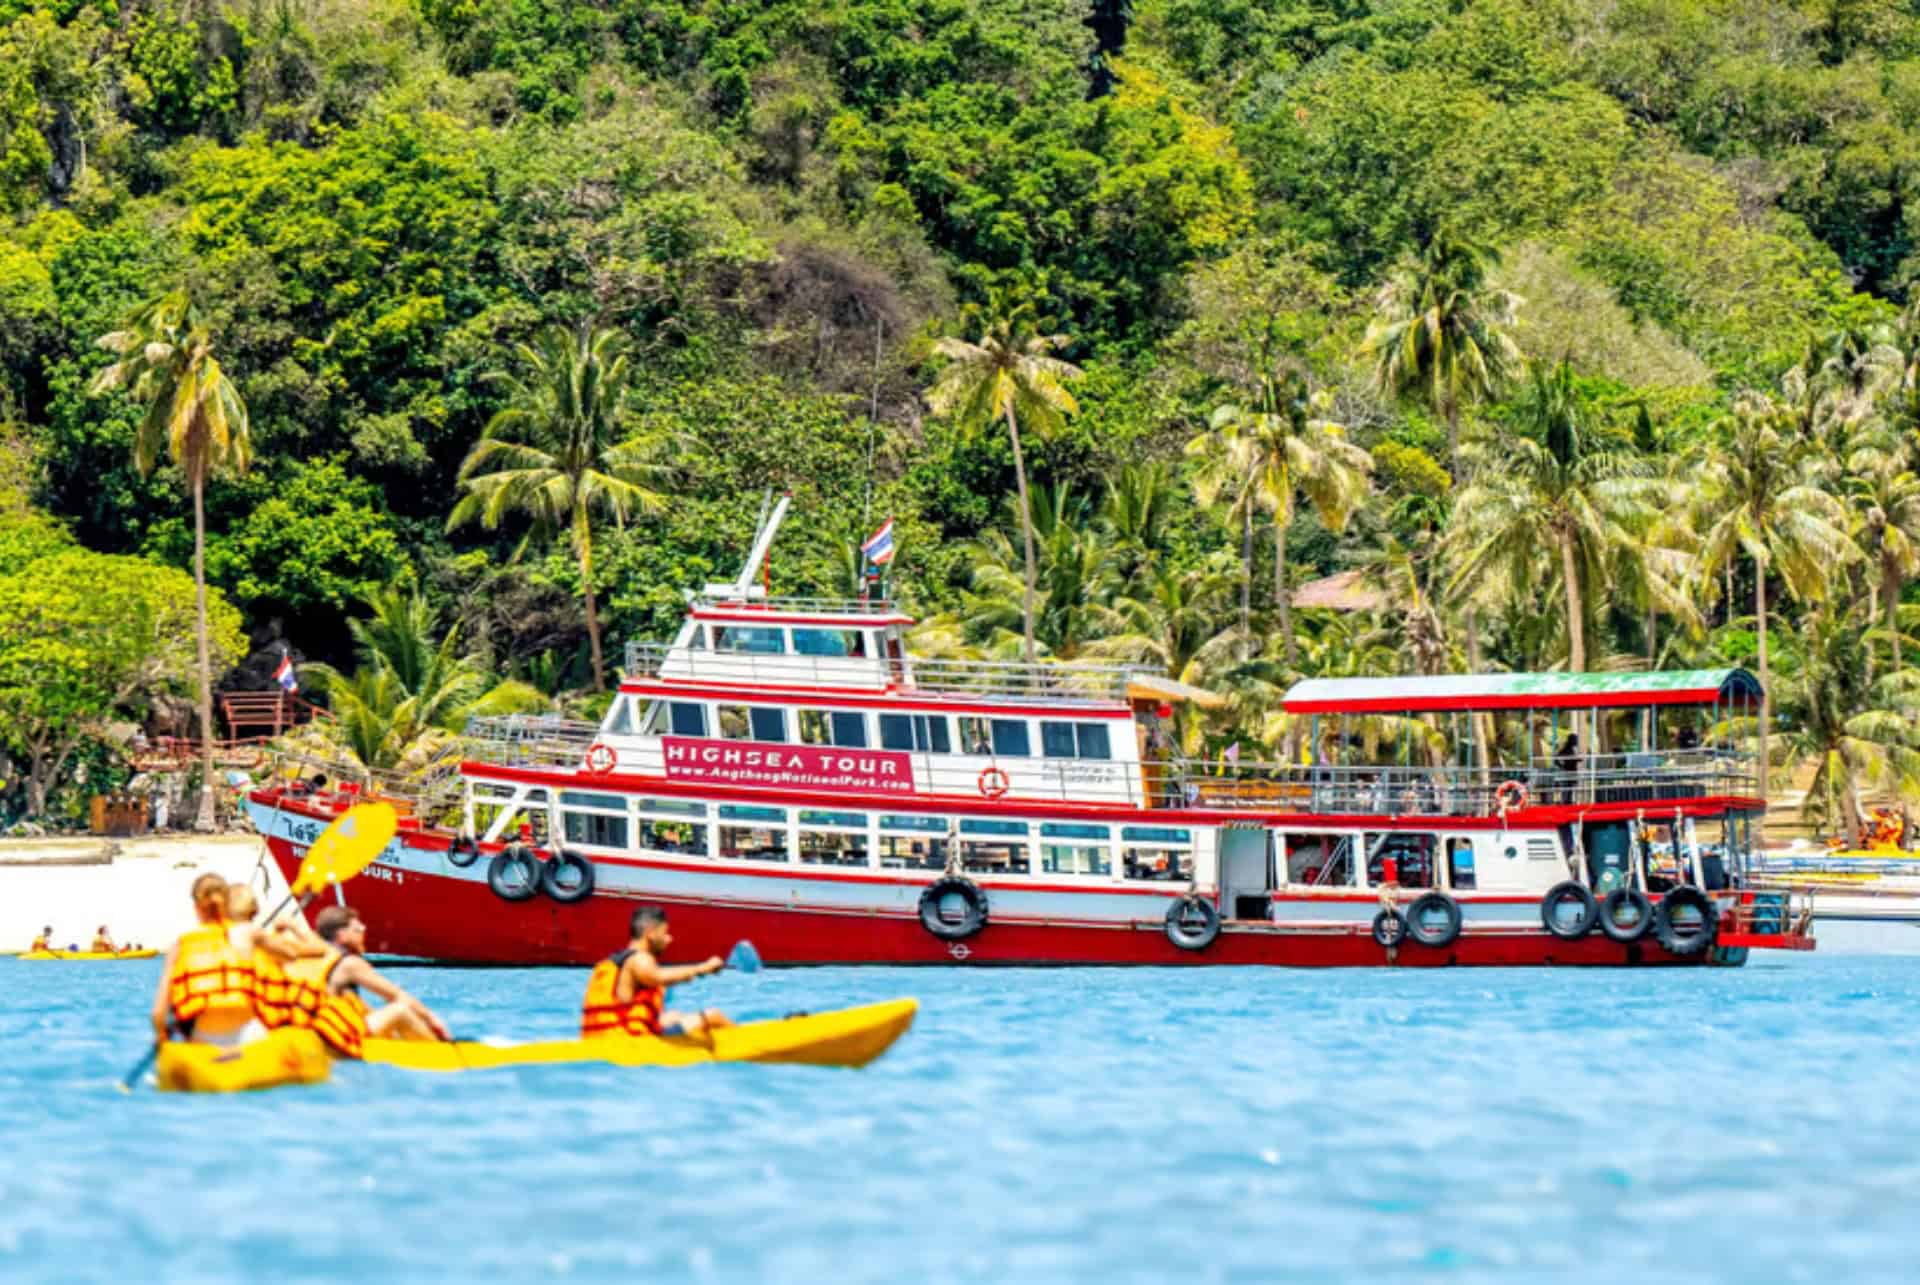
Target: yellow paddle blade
<point>346,847</point>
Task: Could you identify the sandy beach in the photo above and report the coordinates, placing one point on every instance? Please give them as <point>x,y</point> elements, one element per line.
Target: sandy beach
<point>137,887</point>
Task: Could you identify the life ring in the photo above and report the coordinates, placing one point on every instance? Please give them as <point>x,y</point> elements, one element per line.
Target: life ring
<point>601,759</point>
<point>1553,910</point>
<point>1421,925</point>
<point>1692,933</point>
<point>1193,922</point>
<point>514,874</point>
<point>935,915</point>
<point>1511,796</point>
<point>994,782</point>
<point>1389,928</point>
<point>1626,914</point>
<point>567,878</point>
<point>462,852</point>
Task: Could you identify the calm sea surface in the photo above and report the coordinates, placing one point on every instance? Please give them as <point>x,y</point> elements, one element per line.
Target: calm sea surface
<point>1760,1124</point>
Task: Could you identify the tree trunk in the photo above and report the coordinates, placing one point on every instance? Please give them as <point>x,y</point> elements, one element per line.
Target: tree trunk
<point>1892,595</point>
<point>205,820</point>
<point>1281,596</point>
<point>583,536</point>
<point>1576,609</point>
<point>1246,578</point>
<point>1450,408</point>
<point>1482,723</point>
<point>38,779</point>
<point>1766,674</point>
<point>1026,532</point>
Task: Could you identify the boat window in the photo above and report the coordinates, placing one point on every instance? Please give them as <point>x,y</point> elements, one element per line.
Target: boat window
<point>1075,849</point>
<point>610,802</point>
<point>1460,872</point>
<point>677,837</point>
<point>830,642</point>
<point>846,728</point>
<point>752,723</point>
<point>923,732</point>
<point>923,825</point>
<point>655,720</point>
<point>698,642</point>
<point>763,842</point>
<point>594,828</point>
<point>1307,858</point>
<point>1007,737</point>
<point>925,848</point>
<point>833,847</point>
<point>671,807</point>
<point>993,827</point>
<point>1411,855</point>
<point>996,856</point>
<point>620,718</point>
<point>975,737</point>
<point>1075,740</point>
<point>752,640</point>
<point>1156,853</point>
<point>689,719</point>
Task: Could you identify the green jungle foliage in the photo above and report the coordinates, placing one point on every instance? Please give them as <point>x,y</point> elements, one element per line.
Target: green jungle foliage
<point>1473,299</point>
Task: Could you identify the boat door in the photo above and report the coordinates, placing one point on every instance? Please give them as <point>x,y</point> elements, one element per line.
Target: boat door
<point>1246,872</point>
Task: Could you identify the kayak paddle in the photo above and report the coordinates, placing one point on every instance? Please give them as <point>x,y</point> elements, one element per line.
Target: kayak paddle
<point>343,850</point>
<point>743,958</point>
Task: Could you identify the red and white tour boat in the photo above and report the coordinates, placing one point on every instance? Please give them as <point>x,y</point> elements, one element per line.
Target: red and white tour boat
<point>786,771</point>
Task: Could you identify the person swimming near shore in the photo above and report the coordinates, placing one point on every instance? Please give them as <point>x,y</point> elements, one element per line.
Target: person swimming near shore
<point>627,991</point>
<point>207,986</point>
<point>325,992</point>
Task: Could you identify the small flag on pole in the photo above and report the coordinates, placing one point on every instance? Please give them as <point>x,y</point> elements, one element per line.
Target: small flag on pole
<point>284,673</point>
<point>1232,754</point>
<point>879,547</point>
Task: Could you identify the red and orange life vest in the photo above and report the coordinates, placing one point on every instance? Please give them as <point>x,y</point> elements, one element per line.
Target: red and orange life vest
<point>208,973</point>
<point>340,1020</point>
<point>602,1014</point>
<point>273,990</point>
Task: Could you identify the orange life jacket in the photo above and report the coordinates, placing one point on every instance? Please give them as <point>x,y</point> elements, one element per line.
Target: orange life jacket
<point>273,990</point>
<point>340,1020</point>
<point>208,973</point>
<point>42,942</point>
<point>601,1012</point>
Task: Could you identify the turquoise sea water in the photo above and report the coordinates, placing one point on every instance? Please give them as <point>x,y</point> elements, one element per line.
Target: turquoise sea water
<point>1753,1125</point>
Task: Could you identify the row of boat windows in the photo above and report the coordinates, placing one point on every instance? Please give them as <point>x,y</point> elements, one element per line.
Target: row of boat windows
<point>751,832</point>
<point>766,640</point>
<point>856,729</point>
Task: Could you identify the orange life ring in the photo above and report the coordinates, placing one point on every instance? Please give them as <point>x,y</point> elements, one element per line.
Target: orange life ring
<point>601,759</point>
<point>1510,797</point>
<point>994,782</point>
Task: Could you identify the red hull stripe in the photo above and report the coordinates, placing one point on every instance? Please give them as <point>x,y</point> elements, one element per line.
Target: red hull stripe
<point>840,697</point>
<point>1457,704</point>
<point>773,616</point>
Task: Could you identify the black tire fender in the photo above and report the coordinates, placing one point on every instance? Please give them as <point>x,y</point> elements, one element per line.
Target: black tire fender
<point>1389,928</point>
<point>933,903</point>
<point>1193,922</point>
<point>1569,892</point>
<point>1686,938</point>
<point>1420,914</point>
<point>514,874</point>
<point>462,852</point>
<point>567,878</point>
<point>1617,923</point>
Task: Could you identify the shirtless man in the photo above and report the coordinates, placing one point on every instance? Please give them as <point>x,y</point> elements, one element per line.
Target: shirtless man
<point>343,972</point>
<point>627,991</point>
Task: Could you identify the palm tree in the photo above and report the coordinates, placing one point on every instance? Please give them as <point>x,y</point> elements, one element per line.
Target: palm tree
<point>1885,495</point>
<point>1289,448</point>
<point>1010,375</point>
<point>194,413</point>
<point>553,452</point>
<point>1859,731</point>
<point>1560,491</point>
<point>1135,509</point>
<point>1077,575</point>
<point>1758,502</point>
<point>1442,331</point>
<point>1172,619</point>
<point>414,688</point>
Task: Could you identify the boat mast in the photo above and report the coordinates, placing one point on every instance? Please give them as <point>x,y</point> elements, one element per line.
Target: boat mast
<point>763,534</point>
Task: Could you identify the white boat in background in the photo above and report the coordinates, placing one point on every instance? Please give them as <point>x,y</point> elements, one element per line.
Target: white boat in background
<point>1864,901</point>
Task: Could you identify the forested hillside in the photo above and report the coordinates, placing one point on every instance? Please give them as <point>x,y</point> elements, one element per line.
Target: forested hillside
<point>1577,329</point>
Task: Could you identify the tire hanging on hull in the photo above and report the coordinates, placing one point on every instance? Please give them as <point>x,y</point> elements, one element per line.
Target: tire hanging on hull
<point>1193,922</point>
<point>933,908</point>
<point>514,874</point>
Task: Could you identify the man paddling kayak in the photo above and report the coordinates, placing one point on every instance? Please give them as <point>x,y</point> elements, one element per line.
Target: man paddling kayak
<point>627,991</point>
<point>206,989</point>
<point>325,991</point>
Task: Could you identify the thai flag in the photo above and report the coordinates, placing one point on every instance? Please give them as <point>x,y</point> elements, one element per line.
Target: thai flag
<point>284,674</point>
<point>879,548</point>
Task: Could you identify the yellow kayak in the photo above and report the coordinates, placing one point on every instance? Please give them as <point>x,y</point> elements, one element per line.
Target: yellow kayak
<point>285,1056</point>
<point>88,954</point>
<point>846,1037</point>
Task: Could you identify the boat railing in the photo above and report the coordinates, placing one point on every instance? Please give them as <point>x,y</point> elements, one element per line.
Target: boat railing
<point>832,606</point>
<point>429,793</point>
<point>529,740</point>
<point>1073,682</point>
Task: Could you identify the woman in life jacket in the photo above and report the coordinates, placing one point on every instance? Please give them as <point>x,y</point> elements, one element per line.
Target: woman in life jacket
<point>627,991</point>
<point>207,986</point>
<point>271,947</point>
<point>324,991</point>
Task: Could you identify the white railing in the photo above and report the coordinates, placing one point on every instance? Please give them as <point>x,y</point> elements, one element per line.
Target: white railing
<point>1072,683</point>
<point>823,605</point>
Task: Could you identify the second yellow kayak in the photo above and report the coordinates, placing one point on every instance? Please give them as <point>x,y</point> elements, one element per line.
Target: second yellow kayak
<point>90,955</point>
<point>285,1056</point>
<point>845,1037</point>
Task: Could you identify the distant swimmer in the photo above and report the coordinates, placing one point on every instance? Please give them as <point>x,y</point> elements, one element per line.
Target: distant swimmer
<point>207,986</point>
<point>325,991</point>
<point>627,992</point>
<point>44,941</point>
<point>103,942</point>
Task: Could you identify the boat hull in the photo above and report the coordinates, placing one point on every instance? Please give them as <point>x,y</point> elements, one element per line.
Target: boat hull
<point>417,904</point>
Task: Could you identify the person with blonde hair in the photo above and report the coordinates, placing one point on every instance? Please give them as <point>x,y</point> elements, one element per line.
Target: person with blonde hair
<point>207,986</point>
<point>271,947</point>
